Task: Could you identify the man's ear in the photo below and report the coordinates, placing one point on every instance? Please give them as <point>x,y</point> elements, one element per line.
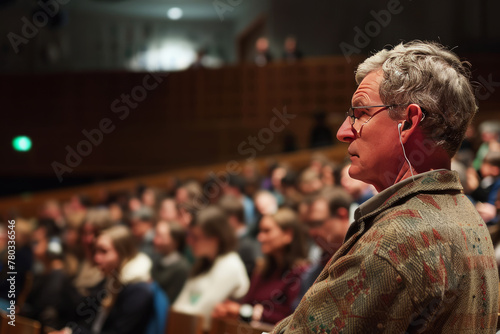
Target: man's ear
<point>414,115</point>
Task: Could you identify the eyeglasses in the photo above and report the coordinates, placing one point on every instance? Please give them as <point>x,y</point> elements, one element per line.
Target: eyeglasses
<point>358,113</point>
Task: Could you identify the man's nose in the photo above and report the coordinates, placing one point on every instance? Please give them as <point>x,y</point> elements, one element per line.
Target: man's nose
<point>346,132</point>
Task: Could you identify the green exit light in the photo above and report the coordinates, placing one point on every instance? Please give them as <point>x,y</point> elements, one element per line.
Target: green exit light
<point>21,143</point>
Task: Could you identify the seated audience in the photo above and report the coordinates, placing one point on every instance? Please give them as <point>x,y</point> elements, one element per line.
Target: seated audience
<point>235,186</point>
<point>490,134</point>
<point>84,283</point>
<point>488,187</point>
<point>125,303</point>
<point>170,269</point>
<point>71,289</point>
<point>276,284</point>
<point>189,193</point>
<point>149,198</point>
<point>359,191</point>
<point>141,225</point>
<point>168,210</point>
<point>490,183</point>
<point>218,272</point>
<point>45,297</point>
<point>23,262</point>
<point>328,222</point>
<point>310,182</point>
<point>248,247</point>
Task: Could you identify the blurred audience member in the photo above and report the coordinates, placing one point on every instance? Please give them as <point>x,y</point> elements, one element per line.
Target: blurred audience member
<point>52,209</point>
<point>359,191</point>
<point>262,54</point>
<point>73,252</point>
<point>149,198</point>
<point>265,204</point>
<point>327,224</point>
<point>189,193</point>
<point>490,133</point>
<point>235,186</point>
<point>310,182</point>
<point>318,160</point>
<point>248,248</point>
<point>19,235</point>
<point>276,284</point>
<point>186,214</point>
<point>291,54</point>
<point>291,195</point>
<point>467,149</point>
<point>490,183</point>
<point>168,210</point>
<point>329,174</point>
<point>134,204</point>
<point>83,285</point>
<point>141,225</point>
<point>45,297</point>
<point>276,188</point>
<point>198,63</point>
<point>88,275</point>
<point>116,212</point>
<point>218,272</point>
<point>486,193</point>
<point>76,207</point>
<point>171,269</point>
<point>251,178</point>
<point>321,135</point>
<point>126,299</point>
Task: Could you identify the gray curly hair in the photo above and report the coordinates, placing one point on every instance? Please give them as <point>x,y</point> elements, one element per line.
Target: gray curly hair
<point>427,74</point>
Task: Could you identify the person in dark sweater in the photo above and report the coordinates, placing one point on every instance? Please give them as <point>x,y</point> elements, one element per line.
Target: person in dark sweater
<point>171,269</point>
<point>248,247</point>
<point>126,303</point>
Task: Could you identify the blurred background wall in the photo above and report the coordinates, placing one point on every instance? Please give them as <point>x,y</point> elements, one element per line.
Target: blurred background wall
<point>69,67</point>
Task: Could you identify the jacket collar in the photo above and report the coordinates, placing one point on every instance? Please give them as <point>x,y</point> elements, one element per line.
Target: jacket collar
<point>436,180</point>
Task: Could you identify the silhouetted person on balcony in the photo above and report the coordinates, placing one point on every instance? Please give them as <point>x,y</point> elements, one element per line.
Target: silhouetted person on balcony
<point>291,54</point>
<point>320,135</point>
<point>262,57</point>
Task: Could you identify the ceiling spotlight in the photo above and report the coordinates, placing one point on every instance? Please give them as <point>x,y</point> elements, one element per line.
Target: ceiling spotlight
<point>174,13</point>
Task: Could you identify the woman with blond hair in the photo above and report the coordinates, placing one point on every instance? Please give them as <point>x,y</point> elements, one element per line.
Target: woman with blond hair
<point>125,302</point>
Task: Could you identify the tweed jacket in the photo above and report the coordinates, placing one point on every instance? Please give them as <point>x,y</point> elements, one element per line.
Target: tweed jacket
<point>417,259</point>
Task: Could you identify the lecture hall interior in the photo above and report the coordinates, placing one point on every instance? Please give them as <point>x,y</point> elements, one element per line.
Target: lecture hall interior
<point>164,163</point>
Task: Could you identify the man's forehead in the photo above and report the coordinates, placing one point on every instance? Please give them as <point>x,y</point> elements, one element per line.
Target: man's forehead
<point>368,89</point>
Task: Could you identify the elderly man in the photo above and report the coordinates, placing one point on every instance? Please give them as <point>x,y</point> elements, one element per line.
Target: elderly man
<point>418,258</point>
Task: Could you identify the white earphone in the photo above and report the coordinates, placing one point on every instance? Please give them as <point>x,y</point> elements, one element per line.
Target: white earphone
<point>400,125</point>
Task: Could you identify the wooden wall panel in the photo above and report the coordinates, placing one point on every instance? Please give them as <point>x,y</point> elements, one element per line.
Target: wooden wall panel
<point>195,116</point>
